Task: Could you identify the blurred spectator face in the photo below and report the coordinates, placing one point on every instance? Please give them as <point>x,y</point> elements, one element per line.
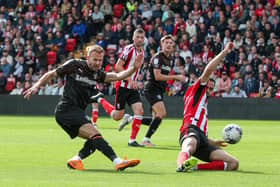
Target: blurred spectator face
<point>108,27</point>
<point>59,82</point>
<point>18,85</point>
<point>265,83</point>
<point>240,82</point>
<point>261,76</point>
<point>112,60</point>
<point>224,75</point>
<point>27,85</point>
<point>236,89</point>
<point>27,77</point>
<point>5,53</point>
<point>277,58</point>
<point>95,9</point>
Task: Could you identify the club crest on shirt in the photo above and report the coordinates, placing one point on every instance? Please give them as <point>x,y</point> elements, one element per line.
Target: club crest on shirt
<point>159,96</point>
<point>81,71</point>
<point>156,61</point>
<point>118,106</point>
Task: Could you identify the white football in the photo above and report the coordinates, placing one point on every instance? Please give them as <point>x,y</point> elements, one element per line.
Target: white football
<point>232,133</point>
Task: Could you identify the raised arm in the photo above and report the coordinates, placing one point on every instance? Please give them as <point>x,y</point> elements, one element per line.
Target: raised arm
<point>212,65</point>
<point>41,82</point>
<point>126,73</point>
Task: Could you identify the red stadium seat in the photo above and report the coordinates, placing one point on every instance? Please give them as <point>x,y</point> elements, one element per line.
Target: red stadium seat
<point>118,10</point>
<point>253,95</point>
<point>51,57</point>
<point>70,44</point>
<point>10,84</point>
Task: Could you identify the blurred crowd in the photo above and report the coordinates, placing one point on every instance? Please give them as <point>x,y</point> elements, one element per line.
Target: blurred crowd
<point>38,35</point>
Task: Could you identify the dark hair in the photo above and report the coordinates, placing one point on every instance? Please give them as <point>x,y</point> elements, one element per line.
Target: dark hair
<point>212,80</point>
<point>166,37</point>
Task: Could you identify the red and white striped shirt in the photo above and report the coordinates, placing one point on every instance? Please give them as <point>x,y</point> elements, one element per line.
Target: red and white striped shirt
<point>195,108</point>
<point>128,55</point>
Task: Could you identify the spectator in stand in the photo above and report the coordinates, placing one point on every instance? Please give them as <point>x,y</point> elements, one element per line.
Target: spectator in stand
<point>106,9</point>
<point>2,82</point>
<point>238,92</point>
<point>58,87</point>
<point>5,67</point>
<point>98,19</point>
<point>260,80</point>
<point>226,93</point>
<point>266,90</point>
<point>206,55</point>
<point>41,57</point>
<point>17,90</point>
<point>276,65</point>
<point>9,59</point>
<point>249,81</point>
<point>18,68</point>
<point>79,31</point>
<point>276,90</point>
<point>223,83</point>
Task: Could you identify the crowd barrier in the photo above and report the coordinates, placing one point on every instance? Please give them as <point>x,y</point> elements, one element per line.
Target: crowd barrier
<point>219,108</point>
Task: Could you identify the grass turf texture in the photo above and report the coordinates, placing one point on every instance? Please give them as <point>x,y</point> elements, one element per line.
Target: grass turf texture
<point>34,151</point>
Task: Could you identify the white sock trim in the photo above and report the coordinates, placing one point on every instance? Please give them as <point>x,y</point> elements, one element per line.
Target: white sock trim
<point>112,113</point>
<point>131,140</point>
<point>117,161</point>
<point>138,117</point>
<point>146,139</point>
<point>225,165</point>
<point>77,157</point>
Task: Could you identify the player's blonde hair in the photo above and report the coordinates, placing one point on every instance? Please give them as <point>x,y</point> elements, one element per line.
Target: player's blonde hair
<point>139,30</point>
<point>95,48</point>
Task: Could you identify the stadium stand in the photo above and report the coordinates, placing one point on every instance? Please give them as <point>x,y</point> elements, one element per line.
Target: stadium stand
<point>201,28</point>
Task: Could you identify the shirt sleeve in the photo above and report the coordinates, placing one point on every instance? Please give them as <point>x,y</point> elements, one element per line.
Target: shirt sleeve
<point>155,63</point>
<point>126,53</point>
<point>67,68</point>
<point>197,85</point>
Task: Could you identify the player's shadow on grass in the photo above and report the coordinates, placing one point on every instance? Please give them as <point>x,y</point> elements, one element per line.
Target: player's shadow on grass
<point>121,172</point>
<point>177,148</point>
<point>251,172</point>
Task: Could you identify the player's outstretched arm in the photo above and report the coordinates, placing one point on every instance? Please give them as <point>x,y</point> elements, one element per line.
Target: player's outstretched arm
<point>41,82</point>
<point>126,73</point>
<point>212,65</point>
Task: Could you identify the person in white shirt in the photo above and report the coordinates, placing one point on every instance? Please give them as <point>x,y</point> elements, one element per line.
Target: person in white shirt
<point>18,89</point>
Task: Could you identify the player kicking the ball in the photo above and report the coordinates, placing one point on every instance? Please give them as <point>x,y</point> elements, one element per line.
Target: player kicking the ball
<point>82,77</point>
<point>193,132</point>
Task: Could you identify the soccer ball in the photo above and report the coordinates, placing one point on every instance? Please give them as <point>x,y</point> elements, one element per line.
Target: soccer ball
<point>232,133</point>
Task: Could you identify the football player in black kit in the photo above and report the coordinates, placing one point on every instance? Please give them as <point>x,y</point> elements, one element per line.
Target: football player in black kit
<point>159,69</point>
<point>81,78</point>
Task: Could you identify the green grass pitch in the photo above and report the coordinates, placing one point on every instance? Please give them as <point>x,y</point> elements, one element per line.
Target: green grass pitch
<point>34,151</point>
